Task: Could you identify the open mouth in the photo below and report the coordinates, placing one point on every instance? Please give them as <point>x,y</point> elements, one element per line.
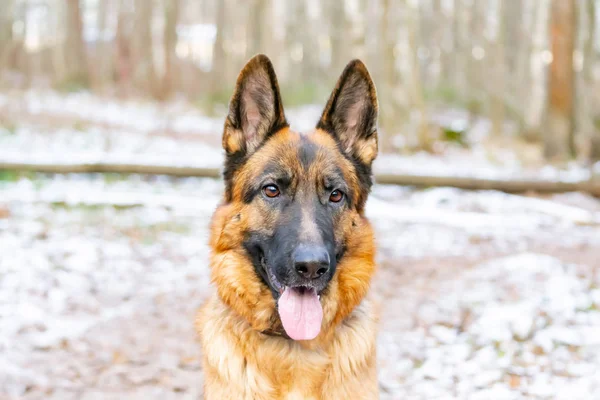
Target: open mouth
<point>299,307</point>
<point>304,290</point>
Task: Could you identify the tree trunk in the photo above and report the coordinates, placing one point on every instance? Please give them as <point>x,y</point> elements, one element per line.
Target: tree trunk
<point>124,62</point>
<point>558,136</point>
<point>338,34</point>
<point>301,43</point>
<point>59,61</point>
<point>170,43</point>
<point>103,64</point>
<point>256,28</point>
<point>218,54</point>
<point>19,60</point>
<point>521,77</point>
<point>534,89</point>
<point>445,38</point>
<point>143,60</point>
<point>76,54</point>
<point>498,71</point>
<point>475,64</point>
<point>6,37</point>
<point>388,118</point>
<point>591,96</point>
<point>461,50</point>
<point>423,138</point>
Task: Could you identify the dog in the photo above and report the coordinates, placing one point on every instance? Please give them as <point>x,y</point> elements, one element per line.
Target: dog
<point>292,253</point>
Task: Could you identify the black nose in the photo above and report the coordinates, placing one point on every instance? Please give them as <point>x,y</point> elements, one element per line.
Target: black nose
<point>311,262</point>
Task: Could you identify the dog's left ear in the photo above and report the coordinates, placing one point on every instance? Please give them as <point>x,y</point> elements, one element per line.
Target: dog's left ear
<point>255,109</point>
<point>351,113</point>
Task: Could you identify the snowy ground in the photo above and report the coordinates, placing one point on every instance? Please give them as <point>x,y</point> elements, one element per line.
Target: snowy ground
<point>42,126</point>
<point>484,295</point>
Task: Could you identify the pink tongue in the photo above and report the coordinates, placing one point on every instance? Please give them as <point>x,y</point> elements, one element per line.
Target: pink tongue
<point>301,313</point>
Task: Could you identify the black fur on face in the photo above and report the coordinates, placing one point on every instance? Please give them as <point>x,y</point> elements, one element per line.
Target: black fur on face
<point>304,219</point>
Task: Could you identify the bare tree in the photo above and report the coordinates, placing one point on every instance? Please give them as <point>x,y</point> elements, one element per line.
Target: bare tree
<point>301,43</point>
<point>520,24</point>
<point>418,95</point>
<point>338,36</point>
<point>388,76</point>
<point>558,135</point>
<point>461,49</point>
<point>124,62</point>
<point>103,65</point>
<point>256,28</point>
<point>218,53</point>
<point>171,8</point>
<point>76,54</point>
<point>475,64</point>
<point>144,73</point>
<point>444,37</point>
<point>59,61</point>
<point>6,25</point>
<point>590,82</point>
<point>498,71</point>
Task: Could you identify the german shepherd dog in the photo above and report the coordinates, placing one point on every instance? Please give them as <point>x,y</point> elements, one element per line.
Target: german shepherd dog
<point>292,252</point>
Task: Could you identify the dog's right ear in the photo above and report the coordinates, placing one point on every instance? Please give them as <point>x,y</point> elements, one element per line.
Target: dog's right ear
<point>255,109</point>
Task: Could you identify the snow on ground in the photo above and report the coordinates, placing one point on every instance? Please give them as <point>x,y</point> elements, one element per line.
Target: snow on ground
<point>484,295</point>
<point>515,327</point>
<point>47,125</point>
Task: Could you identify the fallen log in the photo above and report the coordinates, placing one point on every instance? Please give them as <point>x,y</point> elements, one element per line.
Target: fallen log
<point>471,183</point>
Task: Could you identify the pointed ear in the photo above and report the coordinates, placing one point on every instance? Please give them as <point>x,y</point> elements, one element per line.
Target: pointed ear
<point>255,109</point>
<point>351,114</point>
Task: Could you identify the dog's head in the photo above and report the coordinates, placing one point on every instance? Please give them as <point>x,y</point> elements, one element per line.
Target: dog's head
<point>291,245</point>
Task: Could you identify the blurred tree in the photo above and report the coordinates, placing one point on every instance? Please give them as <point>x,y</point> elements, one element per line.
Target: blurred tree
<point>75,52</point>
<point>520,20</point>
<point>19,59</point>
<point>461,49</point>
<point>256,28</point>
<point>476,65</point>
<point>388,76</point>
<point>102,66</point>
<point>218,53</point>
<point>171,11</point>
<point>302,44</point>
<point>59,66</point>
<point>489,57</point>
<point>442,22</point>
<point>423,137</point>
<point>338,36</point>
<point>497,68</point>
<point>123,44</point>
<point>6,31</point>
<point>144,74</point>
<point>534,89</point>
<point>558,132</point>
<point>590,82</point>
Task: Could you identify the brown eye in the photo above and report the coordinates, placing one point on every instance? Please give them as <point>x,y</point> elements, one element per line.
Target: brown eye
<point>336,196</point>
<point>271,191</point>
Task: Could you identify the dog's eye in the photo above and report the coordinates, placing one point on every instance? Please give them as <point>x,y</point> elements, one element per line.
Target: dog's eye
<point>336,196</point>
<point>271,191</point>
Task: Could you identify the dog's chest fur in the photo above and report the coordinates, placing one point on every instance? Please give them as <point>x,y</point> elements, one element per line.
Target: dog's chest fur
<point>241,363</point>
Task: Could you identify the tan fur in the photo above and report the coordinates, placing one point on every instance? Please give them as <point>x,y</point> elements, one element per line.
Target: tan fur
<point>240,361</point>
